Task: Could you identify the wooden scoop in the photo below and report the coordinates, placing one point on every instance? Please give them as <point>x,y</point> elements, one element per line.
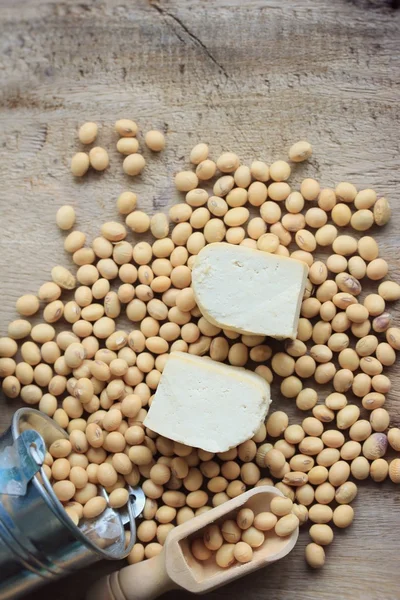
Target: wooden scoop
<point>176,568</point>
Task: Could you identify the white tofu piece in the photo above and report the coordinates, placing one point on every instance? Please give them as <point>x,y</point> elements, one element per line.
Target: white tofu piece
<point>206,404</point>
<point>249,291</point>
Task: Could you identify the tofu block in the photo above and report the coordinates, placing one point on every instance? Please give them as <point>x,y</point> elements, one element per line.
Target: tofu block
<point>206,404</point>
<point>249,291</point>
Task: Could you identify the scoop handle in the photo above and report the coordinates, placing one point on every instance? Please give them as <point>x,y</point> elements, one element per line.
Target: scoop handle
<point>143,581</point>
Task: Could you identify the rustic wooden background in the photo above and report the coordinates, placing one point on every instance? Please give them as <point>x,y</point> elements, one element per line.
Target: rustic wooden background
<point>251,76</point>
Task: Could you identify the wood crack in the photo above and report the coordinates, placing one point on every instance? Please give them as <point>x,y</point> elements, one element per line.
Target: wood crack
<point>197,41</point>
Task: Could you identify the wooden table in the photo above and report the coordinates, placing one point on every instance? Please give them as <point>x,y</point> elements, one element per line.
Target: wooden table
<point>250,76</point>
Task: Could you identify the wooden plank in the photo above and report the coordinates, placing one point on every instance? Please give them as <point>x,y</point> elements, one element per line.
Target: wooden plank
<point>252,77</point>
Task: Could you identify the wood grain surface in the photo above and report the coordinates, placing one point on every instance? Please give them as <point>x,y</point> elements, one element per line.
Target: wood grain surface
<point>250,76</point>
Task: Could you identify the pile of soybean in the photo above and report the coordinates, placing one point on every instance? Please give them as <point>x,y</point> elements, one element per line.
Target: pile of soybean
<point>236,540</point>
<point>98,382</point>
